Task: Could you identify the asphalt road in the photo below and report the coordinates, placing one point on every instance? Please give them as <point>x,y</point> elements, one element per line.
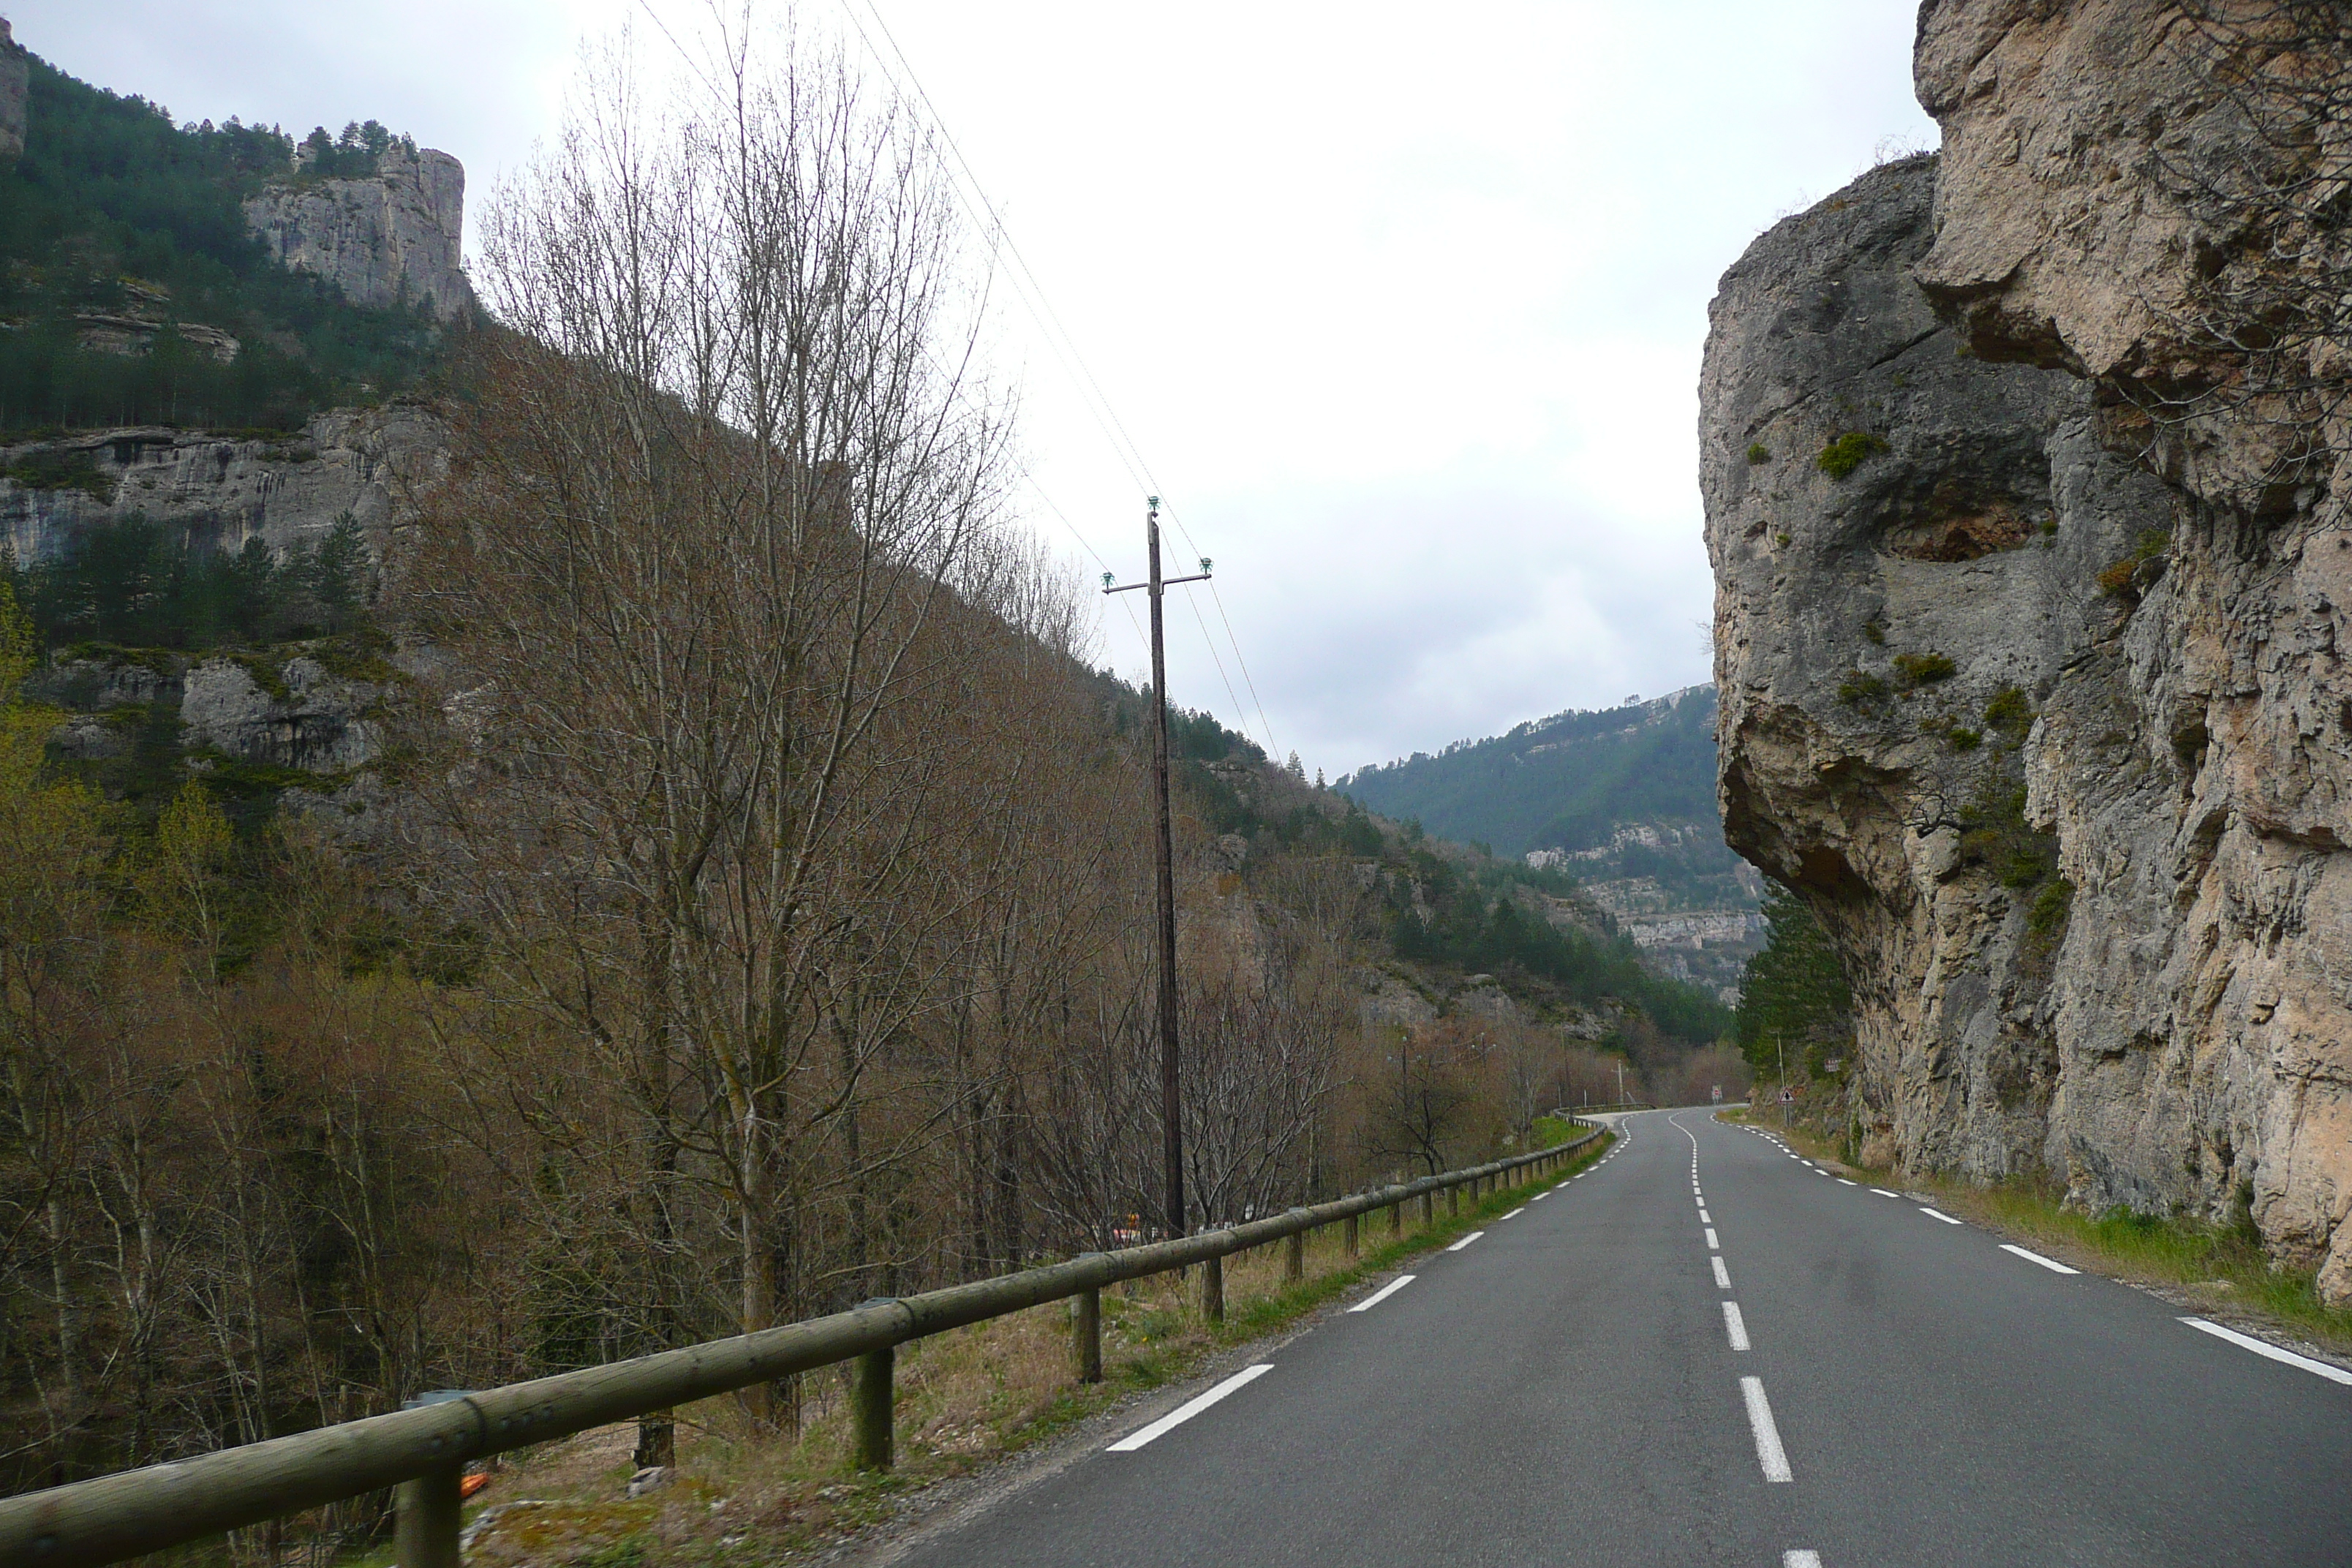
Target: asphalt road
<point>1859,1381</point>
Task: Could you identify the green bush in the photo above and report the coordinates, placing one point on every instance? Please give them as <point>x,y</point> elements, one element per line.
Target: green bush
<point>1849,452</point>
<point>1757,452</point>
<point>1924,668</point>
<point>1858,688</point>
<point>1962,740</point>
<point>2009,713</point>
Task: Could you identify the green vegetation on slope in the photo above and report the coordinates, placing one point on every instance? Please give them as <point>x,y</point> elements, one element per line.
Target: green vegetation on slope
<point>1474,912</point>
<point>114,215</point>
<point>1558,783</point>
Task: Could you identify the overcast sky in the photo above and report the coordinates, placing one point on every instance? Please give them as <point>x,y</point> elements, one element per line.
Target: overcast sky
<point>1402,305</point>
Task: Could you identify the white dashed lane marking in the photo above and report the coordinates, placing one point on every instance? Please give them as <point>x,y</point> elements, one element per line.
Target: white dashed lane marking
<point>1722,1275</point>
<point>1933,1214</point>
<point>1769,1452</point>
<point>2051,1264</point>
<point>1184,1413</point>
<point>2263,1348</point>
<point>1383,1293</point>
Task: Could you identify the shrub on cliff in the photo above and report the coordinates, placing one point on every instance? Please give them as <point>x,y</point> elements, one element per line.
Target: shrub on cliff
<point>1849,452</point>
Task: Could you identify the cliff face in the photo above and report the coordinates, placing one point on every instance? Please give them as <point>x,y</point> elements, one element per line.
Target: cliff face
<point>286,493</point>
<point>392,238</point>
<point>2043,704</point>
<point>15,77</point>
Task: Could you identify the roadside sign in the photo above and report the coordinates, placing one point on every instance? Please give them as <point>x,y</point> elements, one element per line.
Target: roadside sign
<point>1718,1092</point>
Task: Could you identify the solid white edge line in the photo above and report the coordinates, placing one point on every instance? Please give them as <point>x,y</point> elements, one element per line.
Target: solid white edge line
<point>1465,1241</point>
<point>1800,1560</point>
<point>2265,1348</point>
<point>1769,1452</point>
<point>1722,1275</point>
<point>1882,1193</point>
<point>1185,1411</point>
<point>1383,1293</point>
<point>2051,1264</point>
<point>1735,1326</point>
<point>1710,1242</point>
<point>1933,1214</point>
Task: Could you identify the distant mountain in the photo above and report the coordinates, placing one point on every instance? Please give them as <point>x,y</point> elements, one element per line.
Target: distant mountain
<point>1622,799</point>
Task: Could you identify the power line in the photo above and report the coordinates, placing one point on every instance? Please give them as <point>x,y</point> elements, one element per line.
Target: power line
<point>1063,347</point>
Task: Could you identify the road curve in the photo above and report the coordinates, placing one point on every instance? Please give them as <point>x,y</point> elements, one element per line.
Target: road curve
<point>1707,1351</point>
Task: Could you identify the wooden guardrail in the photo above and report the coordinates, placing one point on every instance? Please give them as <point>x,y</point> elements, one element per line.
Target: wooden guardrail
<point>423,1451</point>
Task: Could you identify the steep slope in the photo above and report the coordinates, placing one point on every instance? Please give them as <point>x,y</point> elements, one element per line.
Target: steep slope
<point>2035,695</point>
<point>1622,799</point>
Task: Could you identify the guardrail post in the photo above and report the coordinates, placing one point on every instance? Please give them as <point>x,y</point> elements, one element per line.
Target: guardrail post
<point>1348,1237</point>
<point>1294,1258</point>
<point>1085,1333</point>
<point>870,1397</point>
<point>1454,1200</point>
<point>1428,1210</point>
<point>426,1535</point>
<point>1396,1217</point>
<point>1212,1290</point>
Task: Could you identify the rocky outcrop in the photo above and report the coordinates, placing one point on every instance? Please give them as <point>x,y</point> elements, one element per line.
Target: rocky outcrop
<point>16,72</point>
<point>305,707</point>
<point>285,491</point>
<point>392,238</point>
<point>2040,699</point>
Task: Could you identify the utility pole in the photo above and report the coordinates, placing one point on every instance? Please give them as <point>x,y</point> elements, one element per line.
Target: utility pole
<point>1781,1052</point>
<point>1170,1098</point>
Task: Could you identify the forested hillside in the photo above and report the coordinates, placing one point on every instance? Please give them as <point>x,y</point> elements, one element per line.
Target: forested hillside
<point>131,290</point>
<point>1563,782</point>
<point>1623,800</point>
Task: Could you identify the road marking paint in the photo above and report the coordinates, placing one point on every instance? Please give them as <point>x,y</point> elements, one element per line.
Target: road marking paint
<point>1704,1218</point>
<point>1844,1182</point>
<point>1183,1413</point>
<point>1383,1293</point>
<point>1769,1452</point>
<point>1465,1241</point>
<point>1882,1193</point>
<point>1722,1275</point>
<point>1931,1214</point>
<point>1800,1560</point>
<point>1516,1212</point>
<point>2051,1264</point>
<point>1733,1326</point>
<point>2265,1348</point>
<point>1702,1202</point>
<point>1819,1172</point>
<point>1539,1197</point>
<point>1711,1247</point>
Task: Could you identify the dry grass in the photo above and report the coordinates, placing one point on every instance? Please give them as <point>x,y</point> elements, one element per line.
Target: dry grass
<point>964,1398</point>
<point>2222,1270</point>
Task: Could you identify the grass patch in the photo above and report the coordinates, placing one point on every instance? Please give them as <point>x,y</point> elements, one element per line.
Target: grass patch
<point>1924,668</point>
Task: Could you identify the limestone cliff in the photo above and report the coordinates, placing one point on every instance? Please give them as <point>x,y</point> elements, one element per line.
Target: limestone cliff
<point>15,74</point>
<point>2031,673</point>
<point>219,491</point>
<point>392,238</point>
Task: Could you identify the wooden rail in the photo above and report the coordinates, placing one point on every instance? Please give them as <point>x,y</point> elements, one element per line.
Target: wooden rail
<point>423,1451</point>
